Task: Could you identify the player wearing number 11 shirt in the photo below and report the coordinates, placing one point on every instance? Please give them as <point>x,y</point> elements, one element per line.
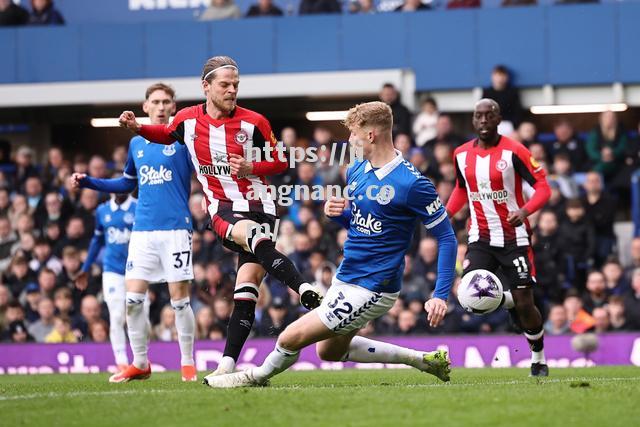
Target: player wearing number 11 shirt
<point>491,172</point>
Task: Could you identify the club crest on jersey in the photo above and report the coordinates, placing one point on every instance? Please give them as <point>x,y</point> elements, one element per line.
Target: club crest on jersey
<point>128,218</point>
<point>534,163</point>
<point>501,165</point>
<point>169,150</point>
<point>385,195</point>
<point>241,137</point>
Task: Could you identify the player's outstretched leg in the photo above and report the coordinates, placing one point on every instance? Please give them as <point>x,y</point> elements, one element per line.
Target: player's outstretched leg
<point>365,350</point>
<point>140,369</point>
<point>301,333</point>
<point>531,322</point>
<point>259,242</point>
<point>186,327</point>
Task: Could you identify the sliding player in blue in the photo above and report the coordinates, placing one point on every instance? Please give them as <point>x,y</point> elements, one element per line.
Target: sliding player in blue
<point>387,196</point>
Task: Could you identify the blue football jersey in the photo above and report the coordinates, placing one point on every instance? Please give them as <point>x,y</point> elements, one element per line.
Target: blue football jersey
<point>114,222</point>
<point>163,173</point>
<point>385,204</point>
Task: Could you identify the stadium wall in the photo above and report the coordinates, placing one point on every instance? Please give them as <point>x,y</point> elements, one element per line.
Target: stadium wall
<point>447,50</point>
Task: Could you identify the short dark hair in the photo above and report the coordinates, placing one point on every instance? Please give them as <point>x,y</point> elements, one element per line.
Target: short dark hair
<point>501,69</point>
<point>160,86</point>
<point>574,203</point>
<point>388,86</point>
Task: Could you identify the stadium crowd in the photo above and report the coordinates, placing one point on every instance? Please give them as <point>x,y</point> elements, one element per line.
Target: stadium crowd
<point>46,227</point>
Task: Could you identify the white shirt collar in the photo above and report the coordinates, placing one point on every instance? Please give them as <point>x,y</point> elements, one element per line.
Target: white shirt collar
<point>386,169</point>
<point>124,206</point>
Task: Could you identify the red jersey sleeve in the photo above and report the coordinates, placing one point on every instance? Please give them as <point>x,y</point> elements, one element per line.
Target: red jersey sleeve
<point>276,162</point>
<point>532,172</point>
<point>458,197</point>
<point>166,134</point>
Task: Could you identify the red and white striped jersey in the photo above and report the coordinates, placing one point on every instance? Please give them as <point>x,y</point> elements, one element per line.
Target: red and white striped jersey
<point>493,180</point>
<point>210,142</point>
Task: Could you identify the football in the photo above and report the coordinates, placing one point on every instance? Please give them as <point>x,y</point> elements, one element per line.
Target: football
<point>480,292</point>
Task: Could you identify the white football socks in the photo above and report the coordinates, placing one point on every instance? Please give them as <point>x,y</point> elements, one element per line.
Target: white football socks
<point>137,328</point>
<point>366,350</point>
<point>117,334</point>
<point>186,327</point>
<point>277,361</point>
<point>508,302</point>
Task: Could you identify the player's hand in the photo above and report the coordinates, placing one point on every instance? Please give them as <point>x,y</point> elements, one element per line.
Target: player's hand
<point>517,218</point>
<point>436,308</point>
<point>203,205</point>
<point>75,180</point>
<point>239,165</point>
<point>82,280</point>
<point>128,120</point>
<point>334,206</point>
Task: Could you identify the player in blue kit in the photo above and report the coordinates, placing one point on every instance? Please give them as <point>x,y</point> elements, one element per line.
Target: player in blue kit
<point>388,194</point>
<point>160,246</point>
<point>114,221</point>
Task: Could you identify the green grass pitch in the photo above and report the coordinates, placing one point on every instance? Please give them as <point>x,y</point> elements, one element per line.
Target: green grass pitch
<point>600,396</point>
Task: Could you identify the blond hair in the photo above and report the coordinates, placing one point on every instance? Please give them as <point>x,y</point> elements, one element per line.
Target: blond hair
<point>370,114</point>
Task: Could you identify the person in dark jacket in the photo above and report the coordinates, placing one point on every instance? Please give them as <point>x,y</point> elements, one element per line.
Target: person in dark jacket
<point>12,15</point>
<point>311,7</point>
<point>44,13</point>
<point>401,114</point>
<point>576,237</point>
<point>264,8</point>
<point>506,95</point>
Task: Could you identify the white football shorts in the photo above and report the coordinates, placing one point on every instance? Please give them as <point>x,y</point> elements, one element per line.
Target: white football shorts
<point>347,307</point>
<point>159,256</point>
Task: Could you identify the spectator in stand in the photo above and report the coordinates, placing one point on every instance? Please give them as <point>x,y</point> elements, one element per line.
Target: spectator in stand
<point>401,114</point>
<point>580,321</point>
<point>264,8</point>
<point>25,168</point>
<point>507,3</point>
<point>362,6</point>
<point>632,301</point>
<point>562,176</point>
<point>527,134</point>
<point>444,134</point>
<point>47,282</point>
<point>402,143</point>
<point>276,318</point>
<point>312,7</point>
<point>76,236</point>
<point>44,325</point>
<point>568,143</point>
<point>5,299</point>
<point>8,243</point>
<point>426,264</point>
<point>99,331</point>
<point>33,191</point>
<point>606,146</point>
<point>61,332</point>
<point>600,210</point>
<point>18,275</point>
<point>558,323</point>
<point>635,259</point>
<point>42,257</point>
<point>596,295</point>
<point>601,320</point>
<point>617,315</point>
<point>166,329</point>
<point>424,125</point>
<point>5,202</point>
<point>463,4</point>
<point>118,159</point>
<point>90,312</point>
<point>220,9</point>
<point>55,161</point>
<point>204,322</point>
<point>412,6</point>
<point>18,332</point>
<point>547,255</point>
<point>55,208</point>
<point>43,12</point>
<point>507,96</point>
<point>29,299</point>
<point>616,282</point>
<point>12,15</point>
<point>576,238</point>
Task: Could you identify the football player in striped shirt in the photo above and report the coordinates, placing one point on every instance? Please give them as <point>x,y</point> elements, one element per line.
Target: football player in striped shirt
<point>492,171</point>
<point>222,139</point>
